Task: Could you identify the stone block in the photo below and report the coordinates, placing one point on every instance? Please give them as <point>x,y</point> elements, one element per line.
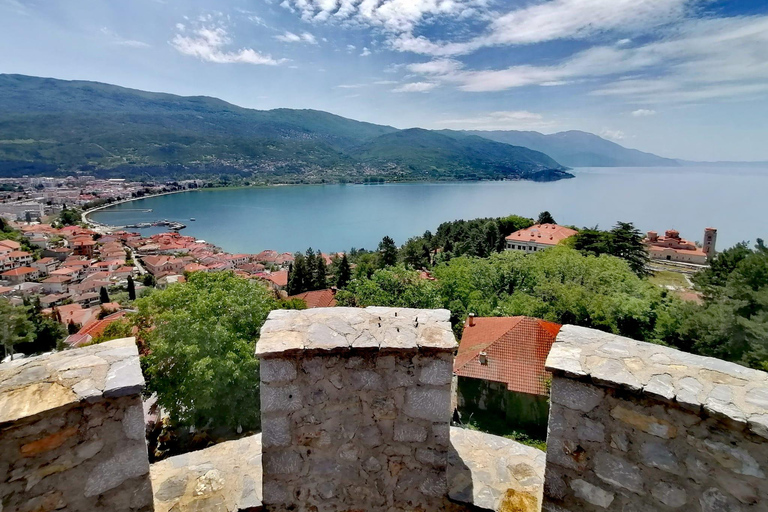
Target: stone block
<point>428,404</point>
<point>277,370</point>
<point>575,395</point>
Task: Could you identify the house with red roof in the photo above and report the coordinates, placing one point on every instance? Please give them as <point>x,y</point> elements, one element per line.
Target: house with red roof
<point>21,275</point>
<point>278,280</point>
<point>317,298</point>
<point>538,237</point>
<point>499,371</point>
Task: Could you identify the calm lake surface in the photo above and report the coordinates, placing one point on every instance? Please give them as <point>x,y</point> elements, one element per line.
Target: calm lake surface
<point>338,217</point>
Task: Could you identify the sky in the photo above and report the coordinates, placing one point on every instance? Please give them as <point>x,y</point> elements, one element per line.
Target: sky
<point>679,78</point>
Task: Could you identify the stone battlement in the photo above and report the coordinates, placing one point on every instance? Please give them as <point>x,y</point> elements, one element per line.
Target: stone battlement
<point>355,410</point>
<point>73,434</point>
<point>637,426</point>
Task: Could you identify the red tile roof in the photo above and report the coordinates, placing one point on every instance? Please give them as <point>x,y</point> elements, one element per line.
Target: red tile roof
<point>515,351</point>
<point>280,278</point>
<point>21,271</point>
<point>546,234</point>
<point>317,298</point>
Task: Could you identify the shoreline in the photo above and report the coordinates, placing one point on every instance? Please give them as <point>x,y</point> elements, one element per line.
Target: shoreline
<point>95,225</point>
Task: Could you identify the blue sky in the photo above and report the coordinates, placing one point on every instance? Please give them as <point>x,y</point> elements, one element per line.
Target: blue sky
<point>680,78</point>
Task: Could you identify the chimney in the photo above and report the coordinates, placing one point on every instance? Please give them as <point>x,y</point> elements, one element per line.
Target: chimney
<point>471,320</point>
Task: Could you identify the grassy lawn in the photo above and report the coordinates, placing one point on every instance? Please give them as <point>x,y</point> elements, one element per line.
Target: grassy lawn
<point>668,278</point>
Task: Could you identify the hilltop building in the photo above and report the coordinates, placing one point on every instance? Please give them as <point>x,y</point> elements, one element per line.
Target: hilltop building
<point>672,247</point>
<point>538,237</point>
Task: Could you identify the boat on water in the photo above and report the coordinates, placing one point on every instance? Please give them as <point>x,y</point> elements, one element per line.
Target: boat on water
<point>192,219</point>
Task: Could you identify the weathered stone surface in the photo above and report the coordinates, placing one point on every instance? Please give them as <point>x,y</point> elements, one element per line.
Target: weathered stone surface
<point>428,403</point>
<point>713,500</point>
<point>646,423</point>
<point>125,464</point>
<point>73,431</point>
<point>362,423</point>
<point>486,471</point>
<point>436,373</point>
<point>342,328</point>
<point>575,395</point>
<point>273,370</point>
<point>230,482</point>
<point>280,398</point>
<point>410,433</point>
<point>671,495</point>
<point>671,430</point>
<point>619,472</point>
<point>658,455</point>
<point>591,493</point>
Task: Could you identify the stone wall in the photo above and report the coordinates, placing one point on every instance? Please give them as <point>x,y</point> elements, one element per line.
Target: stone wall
<point>355,409</point>
<point>640,427</point>
<point>72,432</point>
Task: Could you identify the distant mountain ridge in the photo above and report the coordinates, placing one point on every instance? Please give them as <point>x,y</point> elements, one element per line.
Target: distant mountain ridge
<point>578,149</point>
<point>50,126</point>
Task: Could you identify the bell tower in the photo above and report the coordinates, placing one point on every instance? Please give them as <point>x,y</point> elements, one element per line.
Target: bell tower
<point>708,244</point>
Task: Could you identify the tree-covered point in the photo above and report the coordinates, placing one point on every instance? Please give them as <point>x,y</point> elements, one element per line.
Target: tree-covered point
<point>199,339</point>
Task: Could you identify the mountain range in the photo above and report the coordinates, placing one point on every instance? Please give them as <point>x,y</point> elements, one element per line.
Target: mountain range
<point>51,126</point>
<point>578,149</point>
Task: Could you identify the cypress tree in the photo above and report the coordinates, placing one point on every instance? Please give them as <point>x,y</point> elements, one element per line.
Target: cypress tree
<point>344,274</point>
<point>103,295</point>
<point>131,289</point>
<point>320,281</point>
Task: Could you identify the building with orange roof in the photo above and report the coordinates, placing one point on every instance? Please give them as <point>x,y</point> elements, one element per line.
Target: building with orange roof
<point>317,298</point>
<point>278,280</point>
<point>500,371</point>
<point>671,247</point>
<point>93,330</point>
<point>538,237</point>
<point>21,275</point>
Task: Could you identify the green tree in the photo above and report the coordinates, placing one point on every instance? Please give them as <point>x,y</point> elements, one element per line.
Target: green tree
<point>298,275</point>
<point>545,218</point>
<point>103,295</point>
<point>69,217</point>
<point>200,338</point>
<point>72,328</point>
<point>131,289</point>
<point>626,242</point>
<point>344,272</point>
<point>391,286</point>
<point>148,280</point>
<point>48,332</point>
<point>115,330</point>
<point>387,252</point>
<point>416,253</point>
<point>320,273</point>
<point>15,327</point>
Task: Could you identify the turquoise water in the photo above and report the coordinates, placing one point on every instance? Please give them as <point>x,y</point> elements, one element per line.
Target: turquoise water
<point>337,217</point>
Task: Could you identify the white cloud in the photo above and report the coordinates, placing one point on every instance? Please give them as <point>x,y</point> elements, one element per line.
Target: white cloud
<point>614,135</point>
<point>701,59</point>
<point>499,120</point>
<point>436,67</point>
<point>121,41</point>
<point>643,112</point>
<point>366,52</point>
<point>208,43</point>
<point>391,15</point>
<point>180,27</point>
<point>416,87</point>
<point>290,37</point>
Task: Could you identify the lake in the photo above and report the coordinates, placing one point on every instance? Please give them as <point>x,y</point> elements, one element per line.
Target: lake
<point>338,217</point>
